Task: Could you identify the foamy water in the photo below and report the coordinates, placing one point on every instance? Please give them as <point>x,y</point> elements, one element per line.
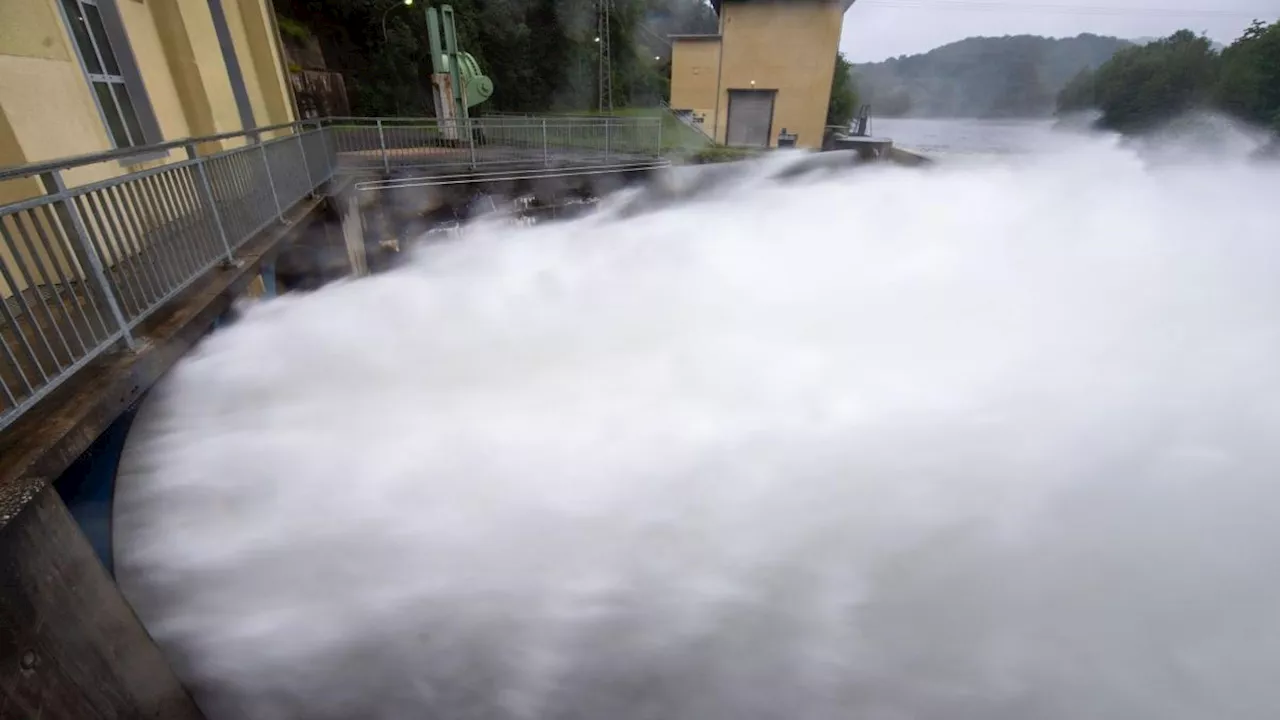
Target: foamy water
<point>986,442</point>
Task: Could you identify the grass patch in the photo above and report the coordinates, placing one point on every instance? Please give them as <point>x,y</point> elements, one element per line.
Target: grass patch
<point>676,135</point>
<point>723,153</point>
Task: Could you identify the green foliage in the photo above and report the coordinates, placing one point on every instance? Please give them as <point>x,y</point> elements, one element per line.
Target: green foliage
<point>675,134</point>
<point>1249,84</point>
<point>1142,87</point>
<point>293,29</point>
<point>1080,93</point>
<point>844,94</point>
<point>723,153</point>
<point>541,54</point>
<point>1012,76</point>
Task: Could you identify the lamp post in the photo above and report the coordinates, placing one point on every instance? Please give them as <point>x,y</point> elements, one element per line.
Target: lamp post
<point>406,3</point>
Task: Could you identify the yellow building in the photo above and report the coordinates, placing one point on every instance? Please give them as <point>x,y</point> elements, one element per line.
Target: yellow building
<point>83,76</point>
<point>767,70</point>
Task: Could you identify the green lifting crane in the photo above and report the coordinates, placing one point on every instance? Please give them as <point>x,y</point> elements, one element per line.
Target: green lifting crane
<point>457,82</point>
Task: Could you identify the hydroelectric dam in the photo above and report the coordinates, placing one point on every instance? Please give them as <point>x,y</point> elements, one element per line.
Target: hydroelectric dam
<point>119,281</point>
<point>334,424</point>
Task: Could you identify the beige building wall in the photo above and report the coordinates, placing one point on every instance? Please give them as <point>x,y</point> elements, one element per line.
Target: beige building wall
<point>43,93</point>
<point>144,38</point>
<point>258,49</point>
<point>695,77</point>
<point>47,106</point>
<point>785,46</point>
<point>788,46</point>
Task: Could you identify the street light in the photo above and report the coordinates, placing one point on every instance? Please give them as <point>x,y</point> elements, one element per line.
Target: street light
<point>405,3</point>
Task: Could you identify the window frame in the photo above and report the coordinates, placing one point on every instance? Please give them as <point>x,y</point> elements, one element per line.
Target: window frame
<point>127,79</point>
<point>235,73</point>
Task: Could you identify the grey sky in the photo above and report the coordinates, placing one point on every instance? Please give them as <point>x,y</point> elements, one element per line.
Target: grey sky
<point>879,29</point>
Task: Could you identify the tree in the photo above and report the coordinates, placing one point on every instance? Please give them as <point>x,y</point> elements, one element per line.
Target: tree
<point>541,54</point>
<point>844,94</point>
<point>1080,93</point>
<point>1012,76</point>
<point>1249,85</point>
<point>1022,94</point>
<point>1142,87</point>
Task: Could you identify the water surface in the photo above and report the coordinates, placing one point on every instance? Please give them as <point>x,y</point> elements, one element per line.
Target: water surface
<point>991,441</point>
<point>959,136</point>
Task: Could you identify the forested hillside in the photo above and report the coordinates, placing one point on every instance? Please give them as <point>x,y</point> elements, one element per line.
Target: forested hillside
<point>1012,76</point>
<point>1142,87</point>
<point>541,54</point>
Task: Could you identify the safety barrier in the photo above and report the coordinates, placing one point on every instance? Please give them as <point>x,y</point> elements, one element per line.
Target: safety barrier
<point>94,252</point>
<point>390,143</point>
<point>82,265</point>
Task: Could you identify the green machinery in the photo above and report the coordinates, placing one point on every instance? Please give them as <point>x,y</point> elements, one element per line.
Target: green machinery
<point>457,82</point>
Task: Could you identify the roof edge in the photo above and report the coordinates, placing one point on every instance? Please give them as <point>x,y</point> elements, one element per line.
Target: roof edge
<point>715,4</point>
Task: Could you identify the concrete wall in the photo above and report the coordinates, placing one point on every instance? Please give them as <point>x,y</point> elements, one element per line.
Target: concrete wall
<point>695,77</point>
<point>162,85</point>
<point>258,48</point>
<point>47,107</point>
<point>43,94</point>
<point>784,45</point>
<point>48,104</point>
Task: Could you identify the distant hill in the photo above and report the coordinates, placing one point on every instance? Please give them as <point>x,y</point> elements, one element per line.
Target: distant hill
<point>1011,76</point>
<point>1213,44</point>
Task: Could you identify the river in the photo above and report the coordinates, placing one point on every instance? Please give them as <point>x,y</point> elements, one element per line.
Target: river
<point>987,440</point>
<point>966,136</point>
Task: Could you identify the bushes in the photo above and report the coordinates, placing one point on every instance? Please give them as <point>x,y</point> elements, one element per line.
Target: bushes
<point>723,153</point>
<point>1142,87</point>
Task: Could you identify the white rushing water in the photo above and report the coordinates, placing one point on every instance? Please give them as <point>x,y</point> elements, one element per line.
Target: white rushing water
<point>986,442</point>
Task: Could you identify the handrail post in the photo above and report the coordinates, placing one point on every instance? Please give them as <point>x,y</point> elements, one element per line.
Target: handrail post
<point>271,183</point>
<point>607,123</point>
<point>661,120</point>
<point>546,155</point>
<point>324,138</point>
<point>471,142</point>
<point>382,144</point>
<point>207,190</point>
<point>302,150</point>
<point>86,254</point>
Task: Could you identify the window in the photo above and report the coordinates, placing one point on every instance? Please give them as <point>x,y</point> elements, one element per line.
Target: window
<point>108,64</point>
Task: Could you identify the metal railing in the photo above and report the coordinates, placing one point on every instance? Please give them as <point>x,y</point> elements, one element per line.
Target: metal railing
<point>82,266</point>
<point>93,253</point>
<point>686,119</point>
<point>389,143</point>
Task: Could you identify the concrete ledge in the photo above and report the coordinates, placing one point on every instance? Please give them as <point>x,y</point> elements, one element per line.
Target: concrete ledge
<point>70,646</point>
<point>908,158</point>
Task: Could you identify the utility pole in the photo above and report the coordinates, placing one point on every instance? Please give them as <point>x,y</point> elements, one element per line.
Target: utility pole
<point>606,61</point>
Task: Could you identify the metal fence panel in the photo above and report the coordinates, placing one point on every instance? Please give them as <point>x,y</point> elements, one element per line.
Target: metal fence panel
<point>81,268</point>
<point>240,190</point>
<point>389,144</point>
<point>288,171</point>
<point>53,315</point>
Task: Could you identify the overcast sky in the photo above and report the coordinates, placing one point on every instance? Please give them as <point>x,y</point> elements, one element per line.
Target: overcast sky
<point>878,29</point>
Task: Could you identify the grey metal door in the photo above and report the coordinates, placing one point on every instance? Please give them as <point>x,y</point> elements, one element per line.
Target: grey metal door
<point>750,118</point>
